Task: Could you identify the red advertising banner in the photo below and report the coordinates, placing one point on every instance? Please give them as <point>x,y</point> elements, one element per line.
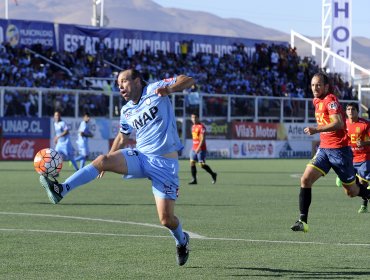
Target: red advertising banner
<point>21,149</point>
<point>215,129</point>
<point>255,131</point>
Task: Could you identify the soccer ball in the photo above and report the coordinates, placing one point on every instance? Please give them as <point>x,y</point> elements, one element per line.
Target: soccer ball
<point>48,162</point>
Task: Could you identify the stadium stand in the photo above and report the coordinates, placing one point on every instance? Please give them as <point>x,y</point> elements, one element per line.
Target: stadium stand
<point>273,70</point>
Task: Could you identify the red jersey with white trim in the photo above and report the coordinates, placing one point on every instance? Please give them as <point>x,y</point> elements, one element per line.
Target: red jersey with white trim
<point>198,131</point>
<point>324,108</point>
<point>359,130</point>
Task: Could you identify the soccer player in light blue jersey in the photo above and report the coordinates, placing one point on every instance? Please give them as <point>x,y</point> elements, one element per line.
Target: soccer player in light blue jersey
<point>62,141</point>
<point>84,134</point>
<point>148,111</point>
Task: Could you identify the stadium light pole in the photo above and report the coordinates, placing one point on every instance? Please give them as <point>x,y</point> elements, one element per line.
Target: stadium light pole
<point>6,9</point>
<point>326,28</point>
<point>101,13</point>
<point>95,17</point>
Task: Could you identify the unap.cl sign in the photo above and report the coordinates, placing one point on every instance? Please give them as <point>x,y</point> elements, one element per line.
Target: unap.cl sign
<point>15,127</point>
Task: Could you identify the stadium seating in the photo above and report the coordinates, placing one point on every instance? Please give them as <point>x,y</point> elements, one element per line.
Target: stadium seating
<point>273,70</point>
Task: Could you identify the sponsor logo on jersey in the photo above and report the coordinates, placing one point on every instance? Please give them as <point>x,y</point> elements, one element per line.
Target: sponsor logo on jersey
<point>132,153</point>
<point>147,116</point>
<point>333,105</point>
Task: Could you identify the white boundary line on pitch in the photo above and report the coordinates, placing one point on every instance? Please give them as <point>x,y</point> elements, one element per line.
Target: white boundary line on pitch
<point>193,235</point>
<point>83,233</point>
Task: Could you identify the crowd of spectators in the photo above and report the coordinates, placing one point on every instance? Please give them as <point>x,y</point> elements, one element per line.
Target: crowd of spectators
<point>271,70</point>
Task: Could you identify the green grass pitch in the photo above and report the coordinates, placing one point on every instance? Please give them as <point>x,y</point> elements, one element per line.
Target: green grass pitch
<point>240,227</point>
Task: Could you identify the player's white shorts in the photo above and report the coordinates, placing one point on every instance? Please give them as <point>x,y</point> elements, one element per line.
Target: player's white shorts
<point>66,150</point>
<point>83,150</point>
<point>163,172</point>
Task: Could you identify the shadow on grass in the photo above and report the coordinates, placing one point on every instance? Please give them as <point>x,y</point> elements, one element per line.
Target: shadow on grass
<point>338,273</point>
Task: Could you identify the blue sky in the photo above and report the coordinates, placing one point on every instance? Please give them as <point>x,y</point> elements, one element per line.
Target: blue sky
<point>303,16</point>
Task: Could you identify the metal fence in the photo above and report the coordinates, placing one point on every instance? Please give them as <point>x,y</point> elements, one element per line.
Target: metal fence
<point>41,102</point>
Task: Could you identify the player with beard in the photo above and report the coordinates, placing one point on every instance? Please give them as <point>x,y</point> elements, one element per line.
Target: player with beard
<point>333,151</point>
<point>150,112</point>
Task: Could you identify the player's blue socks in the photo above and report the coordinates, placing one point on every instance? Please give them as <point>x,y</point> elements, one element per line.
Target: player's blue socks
<point>74,163</point>
<point>82,163</point>
<point>82,160</point>
<point>179,235</point>
<point>80,177</point>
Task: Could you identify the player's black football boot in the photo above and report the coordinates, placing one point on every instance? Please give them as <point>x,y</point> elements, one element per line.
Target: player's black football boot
<point>183,251</point>
<point>53,189</point>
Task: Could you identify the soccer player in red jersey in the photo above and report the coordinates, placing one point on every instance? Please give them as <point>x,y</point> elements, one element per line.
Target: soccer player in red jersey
<point>358,131</point>
<point>199,150</point>
<point>333,151</point>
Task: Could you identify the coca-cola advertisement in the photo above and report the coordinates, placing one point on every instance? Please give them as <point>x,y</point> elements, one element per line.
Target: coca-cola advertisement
<point>21,149</point>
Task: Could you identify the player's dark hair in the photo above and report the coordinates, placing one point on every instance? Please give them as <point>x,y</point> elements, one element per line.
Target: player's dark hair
<point>353,105</point>
<point>134,74</point>
<point>323,77</point>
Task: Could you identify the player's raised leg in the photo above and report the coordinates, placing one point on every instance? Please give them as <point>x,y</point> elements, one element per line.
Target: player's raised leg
<point>114,162</point>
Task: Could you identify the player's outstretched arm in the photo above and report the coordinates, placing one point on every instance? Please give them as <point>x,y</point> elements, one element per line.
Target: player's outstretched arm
<point>182,82</point>
<point>119,142</point>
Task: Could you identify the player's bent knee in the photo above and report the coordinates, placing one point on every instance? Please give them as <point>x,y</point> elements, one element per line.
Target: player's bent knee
<point>350,194</point>
<point>168,222</point>
<point>100,162</point>
<point>306,182</point>
<point>165,222</point>
<point>351,191</point>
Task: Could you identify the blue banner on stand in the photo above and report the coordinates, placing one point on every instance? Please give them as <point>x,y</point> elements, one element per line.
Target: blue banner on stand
<point>72,37</point>
<point>27,33</point>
